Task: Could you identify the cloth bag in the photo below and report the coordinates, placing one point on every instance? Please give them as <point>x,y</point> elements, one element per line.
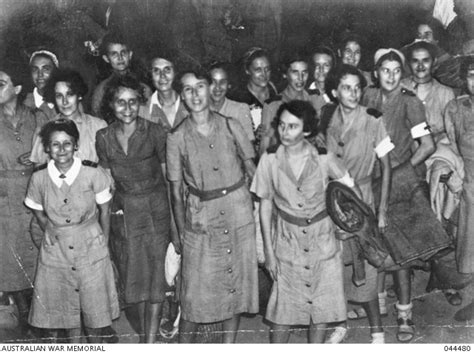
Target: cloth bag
<point>172,264</point>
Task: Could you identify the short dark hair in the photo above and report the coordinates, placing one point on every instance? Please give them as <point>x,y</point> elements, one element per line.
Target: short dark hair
<point>59,125</point>
<point>226,67</point>
<point>324,50</point>
<point>430,48</point>
<point>75,81</point>
<point>292,57</point>
<point>302,110</point>
<point>337,73</point>
<point>350,37</point>
<point>199,73</point>
<point>14,72</point>
<point>252,54</point>
<point>112,38</point>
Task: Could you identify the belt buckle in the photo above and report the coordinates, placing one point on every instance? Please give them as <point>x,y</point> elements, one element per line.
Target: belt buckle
<point>309,221</point>
<point>224,192</point>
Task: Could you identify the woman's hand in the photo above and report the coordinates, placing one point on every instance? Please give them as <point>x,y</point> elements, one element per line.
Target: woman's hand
<point>48,239</point>
<point>382,221</point>
<point>273,266</point>
<point>24,159</point>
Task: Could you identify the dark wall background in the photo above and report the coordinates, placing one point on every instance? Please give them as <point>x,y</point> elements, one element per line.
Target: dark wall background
<point>195,31</point>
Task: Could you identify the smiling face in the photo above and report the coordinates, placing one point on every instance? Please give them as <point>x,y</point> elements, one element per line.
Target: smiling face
<point>351,54</point>
<point>259,72</point>
<point>163,74</point>
<point>118,56</point>
<point>125,105</point>
<point>219,85</point>
<point>290,129</point>
<point>389,74</point>
<point>61,148</point>
<point>349,92</point>
<point>67,102</point>
<point>322,64</point>
<point>41,69</point>
<point>297,75</point>
<point>421,63</point>
<point>196,93</point>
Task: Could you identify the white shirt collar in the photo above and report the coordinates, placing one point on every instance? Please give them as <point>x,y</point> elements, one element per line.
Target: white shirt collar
<point>39,100</point>
<point>71,175</point>
<point>154,100</point>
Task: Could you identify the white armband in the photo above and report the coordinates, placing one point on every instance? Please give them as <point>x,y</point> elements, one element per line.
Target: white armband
<point>420,130</point>
<point>384,147</point>
<point>103,197</point>
<point>30,203</point>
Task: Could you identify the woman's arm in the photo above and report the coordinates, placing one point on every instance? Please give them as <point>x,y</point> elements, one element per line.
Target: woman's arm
<point>271,262</point>
<point>43,222</point>
<point>384,192</point>
<point>424,150</point>
<point>104,220</point>
<point>177,204</point>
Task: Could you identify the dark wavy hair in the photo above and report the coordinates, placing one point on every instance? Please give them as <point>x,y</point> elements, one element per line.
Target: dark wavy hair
<point>129,81</point>
<point>337,73</point>
<point>200,74</point>
<point>304,111</point>
<point>59,125</point>
<point>74,80</point>
<point>430,48</point>
<point>466,63</point>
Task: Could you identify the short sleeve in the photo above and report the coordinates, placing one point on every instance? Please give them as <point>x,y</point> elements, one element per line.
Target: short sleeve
<point>383,143</point>
<point>262,184</point>
<point>174,167</point>
<point>416,116</point>
<point>38,155</point>
<point>159,136</point>
<point>246,150</point>
<point>247,121</point>
<point>100,146</point>
<point>101,186</point>
<point>450,115</point>
<point>34,195</point>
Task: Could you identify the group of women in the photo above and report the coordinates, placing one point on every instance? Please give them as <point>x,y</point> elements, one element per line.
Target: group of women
<point>228,176</point>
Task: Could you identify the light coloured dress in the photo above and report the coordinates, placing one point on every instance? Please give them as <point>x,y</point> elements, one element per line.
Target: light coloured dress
<point>310,285</point>
<point>74,276</point>
<point>219,261</point>
<point>358,144</point>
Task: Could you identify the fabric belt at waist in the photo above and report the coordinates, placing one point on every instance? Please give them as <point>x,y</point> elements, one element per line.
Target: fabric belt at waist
<point>15,173</point>
<point>295,220</point>
<point>215,193</point>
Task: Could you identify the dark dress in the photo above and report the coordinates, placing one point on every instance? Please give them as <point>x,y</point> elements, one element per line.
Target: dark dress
<point>140,222</point>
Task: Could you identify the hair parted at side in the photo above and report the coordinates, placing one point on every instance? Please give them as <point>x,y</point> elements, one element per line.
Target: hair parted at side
<point>302,110</point>
<point>59,125</point>
<point>75,81</point>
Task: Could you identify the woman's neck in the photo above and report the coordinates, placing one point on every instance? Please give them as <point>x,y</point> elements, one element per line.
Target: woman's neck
<point>262,93</point>
<point>9,109</point>
<point>128,129</point>
<point>64,167</point>
<point>320,86</point>
<point>297,149</point>
<point>202,117</point>
<point>167,98</point>
<point>217,105</point>
<point>74,116</point>
<point>299,95</point>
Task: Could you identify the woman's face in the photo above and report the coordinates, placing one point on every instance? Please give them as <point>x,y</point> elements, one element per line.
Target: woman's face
<point>61,147</point>
<point>348,92</point>
<point>196,93</point>
<point>41,70</point>
<point>163,74</point>
<point>389,74</point>
<point>297,75</point>
<point>290,129</point>
<point>125,105</point>
<point>351,54</point>
<point>425,33</point>
<point>219,84</point>
<point>322,64</point>
<point>259,72</point>
<point>66,101</point>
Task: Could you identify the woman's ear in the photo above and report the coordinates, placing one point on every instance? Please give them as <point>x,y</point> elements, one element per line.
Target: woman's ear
<point>376,74</point>
<point>306,134</point>
<point>334,93</point>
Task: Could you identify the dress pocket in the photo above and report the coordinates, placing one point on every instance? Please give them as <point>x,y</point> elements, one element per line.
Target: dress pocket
<point>196,216</point>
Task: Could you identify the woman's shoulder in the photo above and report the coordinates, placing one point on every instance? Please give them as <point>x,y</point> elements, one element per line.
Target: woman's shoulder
<point>95,122</point>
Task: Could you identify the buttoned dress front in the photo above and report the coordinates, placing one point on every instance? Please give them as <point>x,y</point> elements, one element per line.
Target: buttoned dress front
<point>140,222</point>
<point>18,254</point>
<point>357,144</point>
<point>219,264</point>
<point>74,276</point>
<point>460,126</point>
<point>310,283</point>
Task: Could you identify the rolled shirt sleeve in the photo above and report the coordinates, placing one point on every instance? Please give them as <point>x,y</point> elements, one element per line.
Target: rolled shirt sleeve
<point>174,166</point>
<point>262,184</point>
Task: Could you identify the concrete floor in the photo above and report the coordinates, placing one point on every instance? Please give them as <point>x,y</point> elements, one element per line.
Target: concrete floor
<point>433,317</point>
